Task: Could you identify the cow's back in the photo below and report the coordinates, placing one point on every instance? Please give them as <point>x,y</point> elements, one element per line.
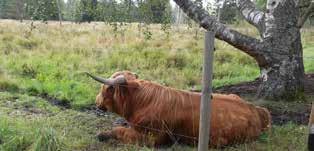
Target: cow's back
<point>233,120</point>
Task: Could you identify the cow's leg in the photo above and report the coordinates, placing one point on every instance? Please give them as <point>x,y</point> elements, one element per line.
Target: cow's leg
<point>129,135</point>
<point>126,135</point>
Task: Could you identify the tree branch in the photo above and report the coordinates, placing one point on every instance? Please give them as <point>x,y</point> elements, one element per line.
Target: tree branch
<point>249,45</point>
<point>307,13</point>
<point>251,13</point>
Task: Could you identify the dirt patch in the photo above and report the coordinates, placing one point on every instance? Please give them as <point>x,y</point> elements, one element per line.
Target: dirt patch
<point>33,110</point>
<point>14,106</point>
<point>63,104</point>
<point>282,112</point>
<point>250,88</point>
<point>284,117</point>
<point>94,110</point>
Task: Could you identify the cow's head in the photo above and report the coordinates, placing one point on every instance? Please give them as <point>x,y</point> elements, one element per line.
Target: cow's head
<point>114,89</point>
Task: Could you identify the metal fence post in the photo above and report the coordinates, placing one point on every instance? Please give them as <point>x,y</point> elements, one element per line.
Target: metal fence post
<point>205,109</point>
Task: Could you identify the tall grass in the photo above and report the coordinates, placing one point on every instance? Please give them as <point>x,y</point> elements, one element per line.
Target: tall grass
<point>47,140</point>
<point>16,135</point>
<point>50,59</point>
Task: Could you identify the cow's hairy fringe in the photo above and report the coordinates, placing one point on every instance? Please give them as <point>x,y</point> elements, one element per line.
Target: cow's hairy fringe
<point>163,131</point>
<point>161,99</point>
<point>162,96</point>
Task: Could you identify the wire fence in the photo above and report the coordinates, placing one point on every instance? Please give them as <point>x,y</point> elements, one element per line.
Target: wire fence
<point>175,137</point>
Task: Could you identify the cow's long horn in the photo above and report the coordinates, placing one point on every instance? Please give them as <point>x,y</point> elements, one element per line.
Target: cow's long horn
<point>118,80</point>
<point>101,80</point>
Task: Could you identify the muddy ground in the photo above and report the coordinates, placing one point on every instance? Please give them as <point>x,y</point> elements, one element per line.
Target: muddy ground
<point>282,112</point>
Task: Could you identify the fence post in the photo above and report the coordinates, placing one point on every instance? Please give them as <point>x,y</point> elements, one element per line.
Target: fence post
<point>205,108</point>
<point>310,142</point>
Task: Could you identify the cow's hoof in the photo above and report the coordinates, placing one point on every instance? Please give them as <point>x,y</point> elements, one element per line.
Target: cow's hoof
<point>104,136</point>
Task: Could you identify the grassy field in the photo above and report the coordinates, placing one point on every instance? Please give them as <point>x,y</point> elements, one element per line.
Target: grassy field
<point>48,60</point>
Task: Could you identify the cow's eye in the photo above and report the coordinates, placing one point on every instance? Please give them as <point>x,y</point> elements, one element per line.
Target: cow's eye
<point>110,87</point>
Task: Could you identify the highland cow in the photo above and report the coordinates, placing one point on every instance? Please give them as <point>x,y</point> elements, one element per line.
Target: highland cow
<point>159,115</point>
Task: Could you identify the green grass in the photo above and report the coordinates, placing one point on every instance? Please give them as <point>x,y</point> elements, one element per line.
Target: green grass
<point>309,58</point>
<point>50,60</point>
<point>30,123</point>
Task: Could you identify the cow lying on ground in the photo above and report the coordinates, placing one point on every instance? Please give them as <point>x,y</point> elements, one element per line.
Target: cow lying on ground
<point>159,115</point>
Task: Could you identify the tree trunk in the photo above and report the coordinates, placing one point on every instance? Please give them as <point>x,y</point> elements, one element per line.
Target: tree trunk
<point>278,52</point>
<point>283,74</point>
<point>283,77</point>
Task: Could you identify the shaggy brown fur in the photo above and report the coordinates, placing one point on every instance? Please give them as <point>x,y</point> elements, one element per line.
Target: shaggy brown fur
<point>160,115</point>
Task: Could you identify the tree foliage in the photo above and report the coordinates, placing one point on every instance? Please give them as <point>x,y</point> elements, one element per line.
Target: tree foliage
<point>11,9</point>
<point>229,12</point>
<point>149,11</point>
<point>29,9</point>
<point>42,9</point>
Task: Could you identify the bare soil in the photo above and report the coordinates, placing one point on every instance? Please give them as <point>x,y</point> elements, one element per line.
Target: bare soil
<point>63,104</point>
<point>282,112</point>
<point>250,88</point>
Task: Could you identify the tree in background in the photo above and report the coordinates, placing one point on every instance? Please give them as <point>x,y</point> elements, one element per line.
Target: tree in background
<point>41,9</point>
<point>12,9</point>
<point>278,51</point>
<point>154,11</point>
<point>86,10</point>
<point>228,13</point>
<point>6,9</point>
<point>68,9</point>
<point>149,11</point>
